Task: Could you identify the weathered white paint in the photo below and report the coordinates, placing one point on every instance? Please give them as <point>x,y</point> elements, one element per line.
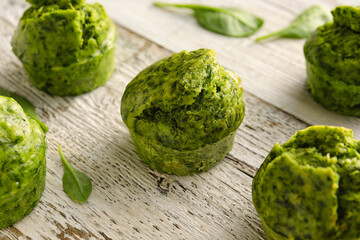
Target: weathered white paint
<point>129,200</point>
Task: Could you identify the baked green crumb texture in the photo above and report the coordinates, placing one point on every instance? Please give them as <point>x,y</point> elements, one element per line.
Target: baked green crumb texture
<point>309,187</point>
<point>22,162</point>
<point>333,62</point>
<point>67,47</point>
<point>183,111</point>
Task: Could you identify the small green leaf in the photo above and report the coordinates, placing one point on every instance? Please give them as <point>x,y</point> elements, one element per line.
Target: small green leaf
<point>75,183</point>
<point>303,25</point>
<point>27,106</point>
<point>226,21</point>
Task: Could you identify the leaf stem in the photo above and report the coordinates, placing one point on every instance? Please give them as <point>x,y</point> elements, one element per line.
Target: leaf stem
<point>274,34</point>
<point>63,159</point>
<point>43,126</point>
<point>191,6</point>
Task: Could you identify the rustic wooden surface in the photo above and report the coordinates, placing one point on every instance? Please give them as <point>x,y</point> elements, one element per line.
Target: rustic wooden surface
<point>129,200</point>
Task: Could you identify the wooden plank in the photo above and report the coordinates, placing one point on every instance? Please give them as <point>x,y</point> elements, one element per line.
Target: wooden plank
<point>273,71</point>
<point>129,200</point>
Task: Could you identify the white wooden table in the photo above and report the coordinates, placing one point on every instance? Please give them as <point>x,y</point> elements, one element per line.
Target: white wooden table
<point>129,200</point>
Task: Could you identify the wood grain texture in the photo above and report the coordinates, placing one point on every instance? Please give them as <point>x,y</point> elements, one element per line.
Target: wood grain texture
<point>129,200</point>
<point>273,71</point>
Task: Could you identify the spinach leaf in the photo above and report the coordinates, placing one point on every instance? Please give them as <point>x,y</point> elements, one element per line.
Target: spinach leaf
<point>27,106</point>
<point>75,183</point>
<point>226,21</point>
<point>303,25</point>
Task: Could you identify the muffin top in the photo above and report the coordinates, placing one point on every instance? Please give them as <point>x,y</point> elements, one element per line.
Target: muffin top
<point>39,3</point>
<point>334,47</point>
<point>184,101</point>
<point>22,147</point>
<point>56,35</point>
<point>309,187</point>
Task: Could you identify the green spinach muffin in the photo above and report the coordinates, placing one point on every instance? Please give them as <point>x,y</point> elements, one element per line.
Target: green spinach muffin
<point>333,62</point>
<point>309,187</point>
<point>22,162</point>
<point>183,111</point>
<point>59,2</point>
<point>65,46</point>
